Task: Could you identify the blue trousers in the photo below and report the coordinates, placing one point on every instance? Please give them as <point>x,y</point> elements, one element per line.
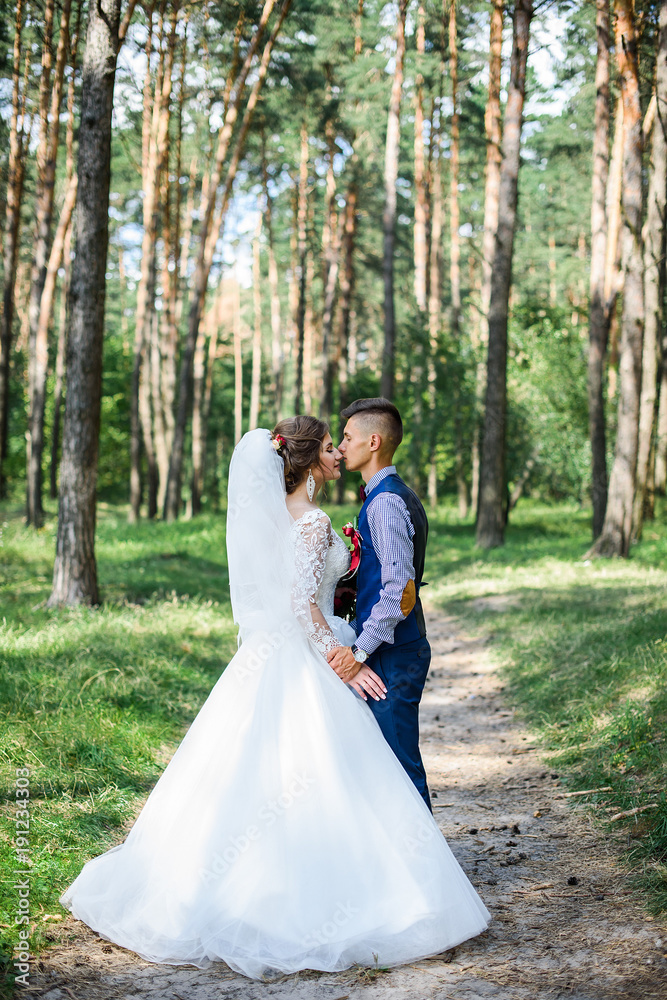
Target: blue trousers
<point>403,669</point>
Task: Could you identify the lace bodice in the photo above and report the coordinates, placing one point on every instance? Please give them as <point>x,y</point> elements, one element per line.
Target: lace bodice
<point>321,559</point>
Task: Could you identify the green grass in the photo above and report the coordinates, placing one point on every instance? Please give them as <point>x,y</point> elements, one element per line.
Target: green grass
<point>583,646</point>
<point>95,701</point>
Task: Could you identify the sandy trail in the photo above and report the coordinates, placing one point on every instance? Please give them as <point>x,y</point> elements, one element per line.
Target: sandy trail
<point>521,845</point>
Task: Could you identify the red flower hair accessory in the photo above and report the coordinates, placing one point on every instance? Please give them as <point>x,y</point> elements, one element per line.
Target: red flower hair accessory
<point>278,442</point>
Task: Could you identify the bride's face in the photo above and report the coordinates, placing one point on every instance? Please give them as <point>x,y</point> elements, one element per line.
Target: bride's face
<point>329,460</point>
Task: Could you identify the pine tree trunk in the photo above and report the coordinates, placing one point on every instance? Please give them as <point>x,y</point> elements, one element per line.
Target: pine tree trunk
<point>454,222</point>
<point>612,271</point>
<point>157,113</point>
<point>276,347</point>
<point>238,366</point>
<point>330,362</point>
<point>14,197</point>
<point>198,439</point>
<point>421,198</point>
<point>476,324</point>
<point>50,100</point>
<point>614,539</point>
<point>310,349</point>
<point>301,223</point>
<point>493,132</point>
<point>434,292</point>
<point>75,571</point>
<point>67,248</point>
<point>455,254</point>
<point>654,279</point>
<point>661,430</point>
<point>392,149</point>
<point>493,129</point>
<point>209,233</point>
<point>492,488</point>
<point>136,486</point>
<point>256,376</point>
<point>346,294</point>
<point>598,331</point>
<point>330,213</point>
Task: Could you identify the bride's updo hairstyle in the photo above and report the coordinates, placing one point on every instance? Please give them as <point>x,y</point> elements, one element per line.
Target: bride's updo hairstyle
<point>302,436</point>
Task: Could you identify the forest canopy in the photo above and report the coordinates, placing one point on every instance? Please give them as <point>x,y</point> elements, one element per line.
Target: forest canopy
<point>311,202</point>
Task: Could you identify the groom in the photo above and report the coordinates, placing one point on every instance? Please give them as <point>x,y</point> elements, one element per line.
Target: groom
<point>391,635</point>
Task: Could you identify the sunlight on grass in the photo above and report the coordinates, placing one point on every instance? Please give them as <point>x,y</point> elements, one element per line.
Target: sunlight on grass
<point>583,649</point>
<point>95,701</point>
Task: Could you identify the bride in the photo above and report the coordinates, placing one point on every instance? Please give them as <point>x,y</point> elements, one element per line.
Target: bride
<point>284,834</point>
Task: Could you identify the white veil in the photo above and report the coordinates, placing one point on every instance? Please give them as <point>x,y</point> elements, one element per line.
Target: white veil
<point>260,543</point>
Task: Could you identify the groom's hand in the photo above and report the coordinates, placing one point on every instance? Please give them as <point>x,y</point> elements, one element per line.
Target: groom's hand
<point>343,662</point>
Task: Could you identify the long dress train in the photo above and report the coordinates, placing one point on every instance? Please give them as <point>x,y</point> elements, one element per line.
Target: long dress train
<point>284,834</point>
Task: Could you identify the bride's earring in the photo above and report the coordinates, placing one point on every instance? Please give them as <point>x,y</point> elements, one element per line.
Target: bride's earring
<point>310,485</point>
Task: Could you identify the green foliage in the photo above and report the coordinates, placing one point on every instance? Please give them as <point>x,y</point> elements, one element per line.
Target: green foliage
<point>316,78</point>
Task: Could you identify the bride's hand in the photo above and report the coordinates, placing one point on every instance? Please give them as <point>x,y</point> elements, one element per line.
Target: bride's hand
<point>366,680</point>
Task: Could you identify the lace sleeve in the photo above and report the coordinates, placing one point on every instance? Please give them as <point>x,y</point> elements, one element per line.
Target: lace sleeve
<point>314,535</point>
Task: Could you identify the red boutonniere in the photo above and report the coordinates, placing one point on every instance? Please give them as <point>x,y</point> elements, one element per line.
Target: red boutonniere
<point>352,533</point>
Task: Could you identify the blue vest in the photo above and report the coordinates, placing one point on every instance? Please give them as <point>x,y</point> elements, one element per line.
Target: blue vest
<point>369,579</point>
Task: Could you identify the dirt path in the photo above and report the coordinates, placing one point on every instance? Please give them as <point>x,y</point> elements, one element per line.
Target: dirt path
<point>566,923</point>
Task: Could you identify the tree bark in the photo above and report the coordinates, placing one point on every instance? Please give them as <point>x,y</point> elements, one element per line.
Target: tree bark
<point>434,292</point>
<point>256,376</point>
<point>157,114</point>
<point>67,247</point>
<point>421,197</point>
<point>14,198</point>
<point>59,383</point>
<point>492,489</point>
<point>310,352</point>
<point>328,360</point>
<point>136,489</point>
<point>598,331</point>
<point>301,225</point>
<point>238,365</point>
<point>654,278</point>
<point>209,235</point>
<point>493,129</point>
<point>661,432</point>
<point>75,570</point>
<point>47,152</point>
<point>347,281</point>
<point>276,349</point>
<point>493,132</point>
<point>455,254</point>
<point>454,221</point>
<point>615,537</point>
<point>389,215</point>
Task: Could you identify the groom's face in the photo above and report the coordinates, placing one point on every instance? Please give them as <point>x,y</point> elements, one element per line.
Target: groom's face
<point>355,446</point>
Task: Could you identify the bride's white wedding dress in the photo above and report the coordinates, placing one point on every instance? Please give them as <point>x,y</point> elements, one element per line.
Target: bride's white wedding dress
<point>284,834</point>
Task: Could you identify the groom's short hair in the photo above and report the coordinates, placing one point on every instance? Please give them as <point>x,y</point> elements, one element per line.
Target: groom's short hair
<point>379,415</point>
